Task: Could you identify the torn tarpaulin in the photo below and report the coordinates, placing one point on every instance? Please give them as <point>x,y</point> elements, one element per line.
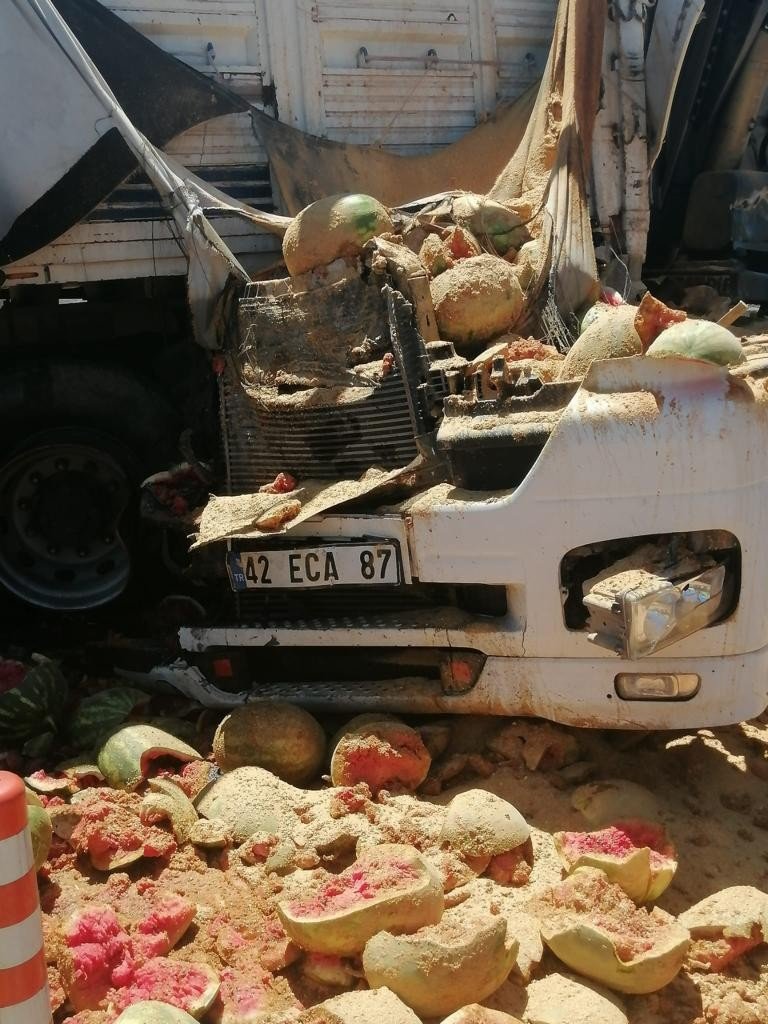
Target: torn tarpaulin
<point>268,515</point>
<point>308,168</point>
<point>210,263</point>
<point>67,163</point>
<point>550,169</point>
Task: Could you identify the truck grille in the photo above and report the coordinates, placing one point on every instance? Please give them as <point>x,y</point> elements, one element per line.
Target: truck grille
<point>325,443</point>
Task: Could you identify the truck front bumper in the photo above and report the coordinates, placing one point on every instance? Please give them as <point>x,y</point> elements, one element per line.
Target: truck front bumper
<point>573,691</point>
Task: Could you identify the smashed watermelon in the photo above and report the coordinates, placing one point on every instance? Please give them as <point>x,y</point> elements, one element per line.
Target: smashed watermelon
<point>98,956</point>
<point>161,929</point>
<point>383,754</point>
<point>389,887</point>
<point>190,987</point>
<point>635,854</point>
<point>112,834</point>
<point>248,996</point>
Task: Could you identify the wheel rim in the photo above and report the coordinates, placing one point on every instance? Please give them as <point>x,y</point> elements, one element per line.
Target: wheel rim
<point>60,509</point>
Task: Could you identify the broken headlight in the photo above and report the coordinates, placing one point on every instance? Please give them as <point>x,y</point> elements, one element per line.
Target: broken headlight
<point>638,596</point>
<point>638,612</point>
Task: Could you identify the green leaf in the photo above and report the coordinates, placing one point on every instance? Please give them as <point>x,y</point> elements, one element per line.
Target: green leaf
<point>99,714</point>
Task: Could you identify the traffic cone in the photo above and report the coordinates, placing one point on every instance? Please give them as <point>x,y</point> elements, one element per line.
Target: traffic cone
<point>23,975</point>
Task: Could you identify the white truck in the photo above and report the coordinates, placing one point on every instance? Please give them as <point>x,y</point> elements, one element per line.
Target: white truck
<point>593,552</point>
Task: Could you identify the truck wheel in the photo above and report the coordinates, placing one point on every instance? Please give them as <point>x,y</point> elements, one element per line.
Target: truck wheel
<point>82,437</point>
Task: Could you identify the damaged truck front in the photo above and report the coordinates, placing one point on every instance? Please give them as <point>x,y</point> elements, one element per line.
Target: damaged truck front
<point>463,476</point>
<point>410,528</point>
<point>459,472</point>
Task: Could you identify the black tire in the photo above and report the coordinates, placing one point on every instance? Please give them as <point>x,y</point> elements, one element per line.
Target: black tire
<point>92,433</point>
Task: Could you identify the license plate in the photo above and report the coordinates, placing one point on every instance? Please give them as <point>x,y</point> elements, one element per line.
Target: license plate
<point>327,566</point>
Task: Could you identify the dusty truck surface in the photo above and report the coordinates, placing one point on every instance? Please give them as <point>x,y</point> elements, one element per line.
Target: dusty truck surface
<point>437,491</point>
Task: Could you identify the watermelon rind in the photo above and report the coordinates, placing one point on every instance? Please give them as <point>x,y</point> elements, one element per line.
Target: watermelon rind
<point>125,756</point>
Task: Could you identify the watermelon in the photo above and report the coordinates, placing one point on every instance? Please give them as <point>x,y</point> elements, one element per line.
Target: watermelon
<point>332,971</point>
<point>125,758</point>
<point>593,314</point>
<point>34,709</point>
<point>477,299</point>
<point>726,925</point>
<point>481,824</point>
<point>159,931</point>
<point>390,887</point>
<point>98,715</point>
<point>252,995</point>
<point>191,987</point>
<point>366,718</point>
<point>33,800</point>
<point>111,833</point>
<point>167,801</point>
<point>434,256</point>
<point>378,1005</point>
<point>635,854</point>
<point>611,335</point>
<point>152,1012</point>
<point>211,835</point>
<point>50,782</point>
<point>11,674</point>
<point>610,800</point>
<point>595,929</point>
<point>250,800</point>
<point>513,867</point>
<point>441,967</point>
<point>460,243</point>
<point>529,263</point>
<point>652,317</point>
<point>490,222</point>
<point>97,956</point>
<point>698,339</point>
<point>563,999</point>
<point>381,754</point>
<point>283,738</point>
<point>330,228</point>
<point>474,1013</point>
<point>82,771</point>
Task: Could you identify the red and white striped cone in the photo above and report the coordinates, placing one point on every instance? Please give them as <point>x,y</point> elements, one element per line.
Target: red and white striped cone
<point>23,976</point>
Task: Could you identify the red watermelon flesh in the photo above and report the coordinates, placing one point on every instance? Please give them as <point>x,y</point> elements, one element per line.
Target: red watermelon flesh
<point>99,957</point>
<point>715,954</point>
<point>620,840</point>
<point>165,924</point>
<point>185,985</point>
<point>354,886</point>
<point>111,832</point>
<point>248,995</point>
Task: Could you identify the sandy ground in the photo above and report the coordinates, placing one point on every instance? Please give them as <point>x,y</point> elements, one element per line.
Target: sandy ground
<point>712,791</point>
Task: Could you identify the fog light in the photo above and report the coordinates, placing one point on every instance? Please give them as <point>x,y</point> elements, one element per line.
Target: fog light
<point>657,686</point>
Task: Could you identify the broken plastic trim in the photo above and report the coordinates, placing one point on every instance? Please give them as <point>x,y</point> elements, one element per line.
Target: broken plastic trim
<point>433,671</point>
